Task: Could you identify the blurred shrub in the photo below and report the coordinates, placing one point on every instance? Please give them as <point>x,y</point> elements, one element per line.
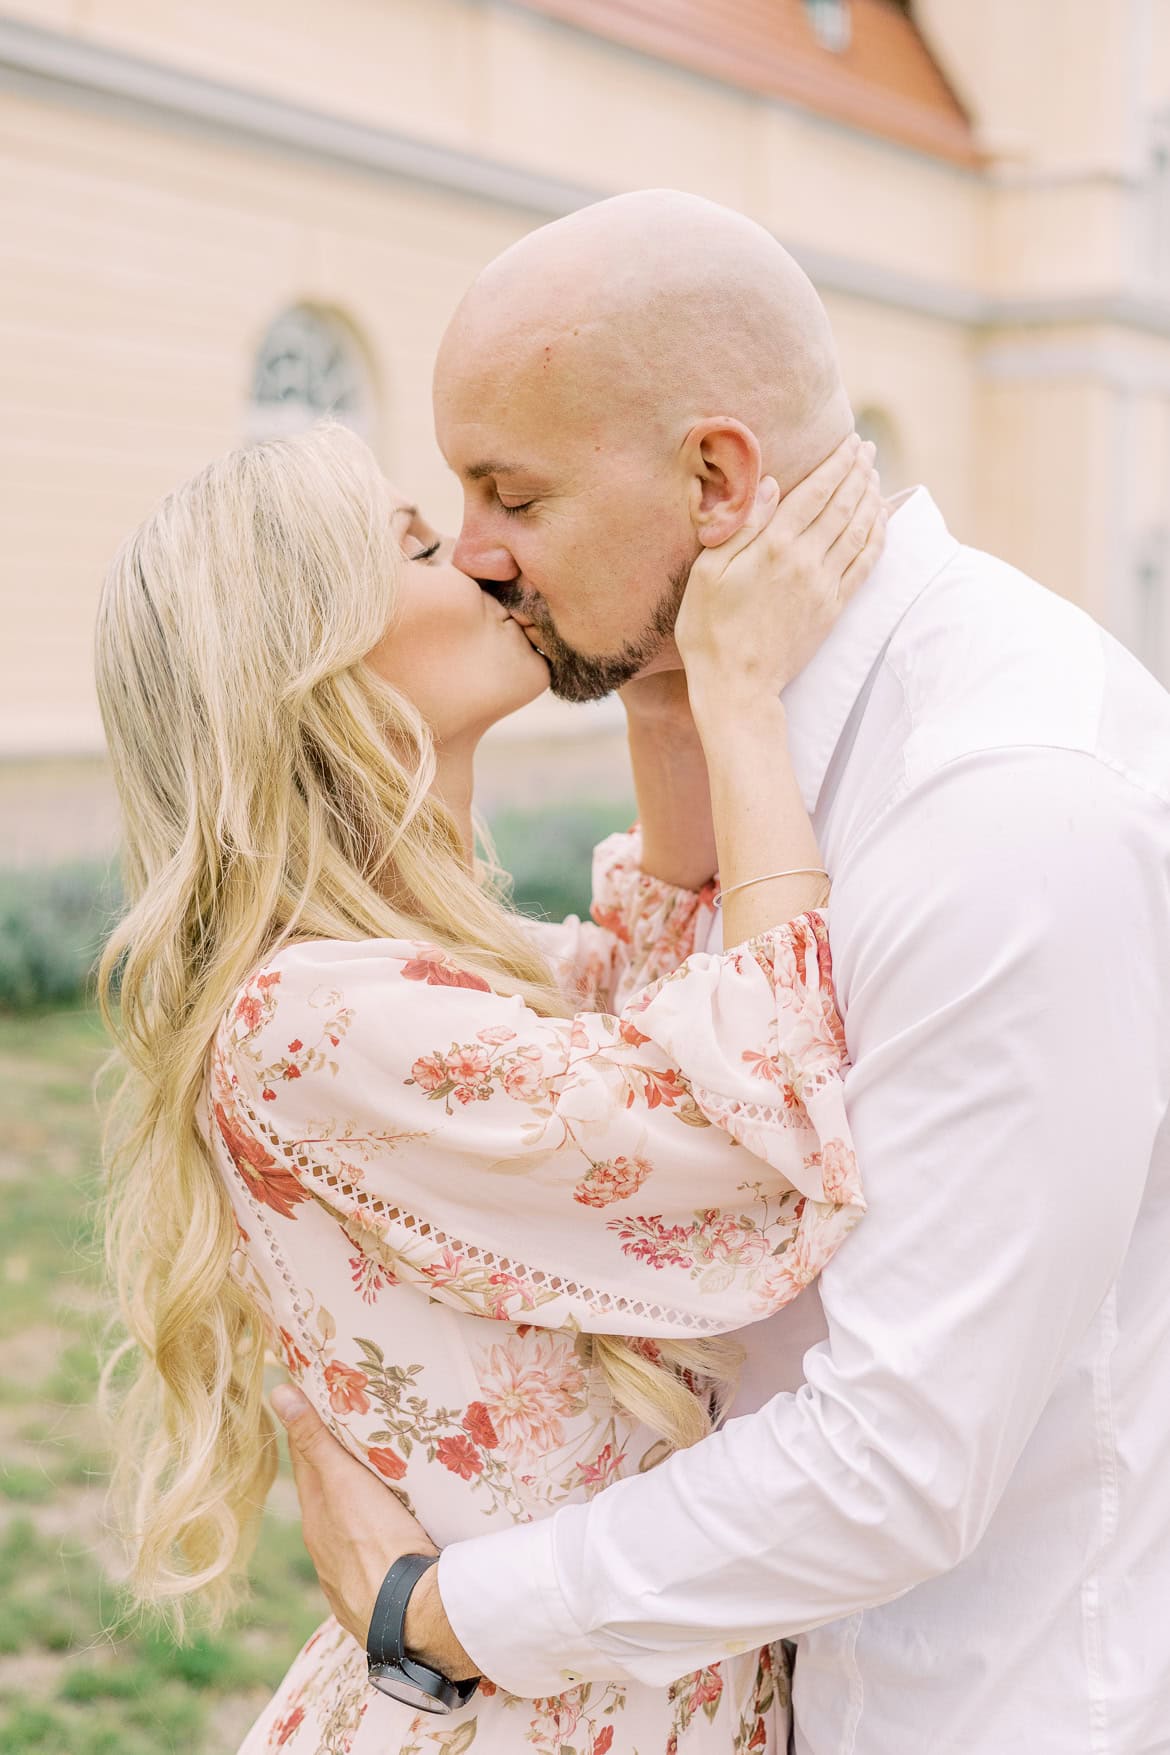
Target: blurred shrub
<point>53,921</point>
<point>550,852</point>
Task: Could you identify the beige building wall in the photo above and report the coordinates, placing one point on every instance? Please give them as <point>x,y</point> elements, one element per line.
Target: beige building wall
<point>136,282</point>
<point>172,177</point>
<point>1073,371</point>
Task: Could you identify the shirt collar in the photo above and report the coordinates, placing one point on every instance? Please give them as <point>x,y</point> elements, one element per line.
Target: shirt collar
<point>818,701</point>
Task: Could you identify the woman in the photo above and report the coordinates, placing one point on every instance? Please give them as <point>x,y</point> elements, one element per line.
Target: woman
<point>493,1192</point>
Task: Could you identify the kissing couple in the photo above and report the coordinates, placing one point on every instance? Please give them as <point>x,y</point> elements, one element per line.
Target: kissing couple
<point>737,1321</point>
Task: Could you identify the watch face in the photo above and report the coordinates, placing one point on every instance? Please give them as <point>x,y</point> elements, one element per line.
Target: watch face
<point>388,1679</point>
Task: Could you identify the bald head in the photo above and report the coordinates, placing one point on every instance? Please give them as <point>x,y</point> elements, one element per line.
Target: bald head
<point>610,390</point>
<point>662,308</point>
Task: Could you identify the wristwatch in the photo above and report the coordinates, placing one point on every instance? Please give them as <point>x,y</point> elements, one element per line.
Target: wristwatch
<point>391,1671</point>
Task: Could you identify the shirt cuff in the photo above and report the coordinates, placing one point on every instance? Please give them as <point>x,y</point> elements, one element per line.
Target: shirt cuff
<point>505,1605</point>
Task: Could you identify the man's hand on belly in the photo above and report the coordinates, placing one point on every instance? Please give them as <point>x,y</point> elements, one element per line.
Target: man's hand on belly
<point>355,1527</point>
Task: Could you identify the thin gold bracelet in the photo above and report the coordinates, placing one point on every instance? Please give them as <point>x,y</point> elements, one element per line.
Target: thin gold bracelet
<point>801,871</point>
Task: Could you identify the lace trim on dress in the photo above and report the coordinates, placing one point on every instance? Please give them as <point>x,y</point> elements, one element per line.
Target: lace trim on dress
<point>543,1286</point>
<point>718,1108</point>
<point>310,1350</point>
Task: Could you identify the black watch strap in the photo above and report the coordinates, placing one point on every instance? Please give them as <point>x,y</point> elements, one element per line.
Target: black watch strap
<point>386,1646</point>
<point>384,1642</point>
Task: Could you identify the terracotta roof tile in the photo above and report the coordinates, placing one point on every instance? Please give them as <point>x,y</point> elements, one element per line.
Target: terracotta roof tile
<point>886,81</point>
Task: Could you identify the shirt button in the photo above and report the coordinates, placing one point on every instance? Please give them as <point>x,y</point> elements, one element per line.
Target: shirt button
<point>570,1676</point>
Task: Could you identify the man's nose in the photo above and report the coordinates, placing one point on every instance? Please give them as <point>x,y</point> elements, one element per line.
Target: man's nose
<point>481,558</point>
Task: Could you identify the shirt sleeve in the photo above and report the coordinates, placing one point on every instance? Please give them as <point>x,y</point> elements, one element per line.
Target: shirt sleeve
<point>586,1171</point>
<point>1002,941</point>
<point>640,929</point>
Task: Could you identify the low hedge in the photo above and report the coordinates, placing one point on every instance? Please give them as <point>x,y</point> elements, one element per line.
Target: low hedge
<point>53,920</point>
<point>549,853</point>
<point>52,925</point>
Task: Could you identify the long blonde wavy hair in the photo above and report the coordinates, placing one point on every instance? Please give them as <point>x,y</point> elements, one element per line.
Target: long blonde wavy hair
<point>273,787</point>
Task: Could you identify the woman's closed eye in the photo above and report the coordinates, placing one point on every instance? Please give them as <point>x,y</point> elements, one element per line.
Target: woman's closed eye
<point>426,554</point>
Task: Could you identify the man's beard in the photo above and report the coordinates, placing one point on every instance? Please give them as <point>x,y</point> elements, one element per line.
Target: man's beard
<point>575,676</point>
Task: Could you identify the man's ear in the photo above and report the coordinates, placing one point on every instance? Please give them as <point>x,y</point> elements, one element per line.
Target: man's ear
<point>722,459</point>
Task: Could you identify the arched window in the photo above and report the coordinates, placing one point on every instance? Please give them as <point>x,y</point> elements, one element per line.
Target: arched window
<point>875,424</point>
<point>832,22</point>
<point>309,365</point>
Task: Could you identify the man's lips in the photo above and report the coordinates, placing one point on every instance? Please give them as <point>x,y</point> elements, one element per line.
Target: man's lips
<point>525,623</point>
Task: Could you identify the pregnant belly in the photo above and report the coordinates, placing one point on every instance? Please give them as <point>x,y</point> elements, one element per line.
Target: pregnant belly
<point>490,1424</point>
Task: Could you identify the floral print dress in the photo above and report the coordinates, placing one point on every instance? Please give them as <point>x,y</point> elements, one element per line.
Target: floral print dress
<point>440,1195</point>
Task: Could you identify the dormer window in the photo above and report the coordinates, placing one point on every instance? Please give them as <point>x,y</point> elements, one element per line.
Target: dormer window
<point>832,23</point>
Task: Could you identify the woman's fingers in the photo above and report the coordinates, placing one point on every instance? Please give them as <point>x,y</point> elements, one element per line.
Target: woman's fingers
<point>860,568</point>
<point>835,504</point>
<point>804,504</point>
<point>714,562</point>
<point>757,606</point>
<point>840,511</point>
<point>854,524</point>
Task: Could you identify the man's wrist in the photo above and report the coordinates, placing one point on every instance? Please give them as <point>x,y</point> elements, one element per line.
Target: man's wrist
<point>654,718</point>
<point>659,699</point>
<point>427,1633</point>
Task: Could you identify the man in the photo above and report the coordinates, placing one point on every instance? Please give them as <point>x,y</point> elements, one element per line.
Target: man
<point>961,1516</point>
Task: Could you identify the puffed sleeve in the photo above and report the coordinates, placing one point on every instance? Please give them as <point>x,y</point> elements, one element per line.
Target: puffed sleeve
<point>681,1166</point>
<point>640,928</point>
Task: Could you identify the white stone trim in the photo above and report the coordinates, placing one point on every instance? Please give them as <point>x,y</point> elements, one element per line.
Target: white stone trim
<point>1101,362</point>
<point>1149,315</point>
<point>851,277</point>
<point>1073,175</point>
<point>51,64</point>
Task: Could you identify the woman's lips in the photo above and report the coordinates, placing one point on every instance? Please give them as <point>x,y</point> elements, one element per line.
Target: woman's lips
<point>525,624</point>
<point>526,629</point>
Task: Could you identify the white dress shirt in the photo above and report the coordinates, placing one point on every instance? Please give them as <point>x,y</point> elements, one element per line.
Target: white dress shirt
<point>962,1514</point>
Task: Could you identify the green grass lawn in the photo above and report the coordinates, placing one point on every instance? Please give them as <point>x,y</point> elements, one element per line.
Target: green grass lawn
<point>75,1677</point>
